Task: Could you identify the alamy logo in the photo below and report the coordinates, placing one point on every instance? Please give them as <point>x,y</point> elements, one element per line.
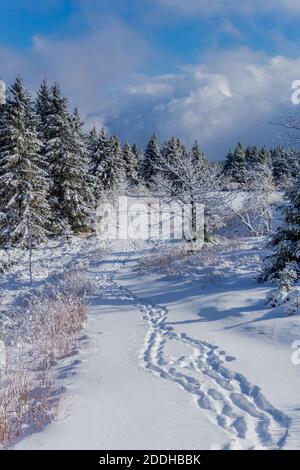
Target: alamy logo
<point>150,218</point>
<point>296,95</point>
<point>296,354</point>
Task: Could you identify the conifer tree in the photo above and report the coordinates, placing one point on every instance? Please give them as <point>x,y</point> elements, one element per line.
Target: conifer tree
<point>228,165</point>
<point>82,183</point>
<point>130,164</point>
<point>285,243</point>
<point>174,153</point>
<point>23,182</point>
<point>65,153</point>
<point>282,171</point>
<point>43,110</point>
<point>98,149</point>
<point>151,157</point>
<point>239,164</point>
<point>264,157</point>
<point>198,155</point>
<point>251,156</point>
<point>111,171</point>
<point>97,145</point>
<point>139,156</point>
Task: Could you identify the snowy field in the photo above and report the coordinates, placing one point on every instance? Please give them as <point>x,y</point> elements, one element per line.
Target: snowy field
<point>179,354</point>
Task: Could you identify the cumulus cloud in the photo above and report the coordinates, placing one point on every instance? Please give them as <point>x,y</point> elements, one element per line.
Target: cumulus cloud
<point>233,95</point>
<point>89,67</point>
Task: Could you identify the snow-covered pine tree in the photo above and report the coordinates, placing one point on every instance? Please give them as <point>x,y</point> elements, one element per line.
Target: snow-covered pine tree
<point>24,209</point>
<point>57,151</point>
<point>68,168</point>
<point>238,164</point>
<point>98,149</point>
<point>294,162</point>
<point>97,145</point>
<point>228,165</point>
<point>174,154</point>
<point>130,164</point>
<point>151,158</point>
<point>251,156</point>
<point>81,185</point>
<point>111,172</point>
<point>282,171</point>
<point>43,109</point>
<point>285,243</point>
<point>92,140</point>
<point>264,157</point>
<point>139,156</point>
<point>198,155</point>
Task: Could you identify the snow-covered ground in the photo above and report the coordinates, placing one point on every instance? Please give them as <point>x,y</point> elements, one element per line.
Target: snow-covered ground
<point>174,362</point>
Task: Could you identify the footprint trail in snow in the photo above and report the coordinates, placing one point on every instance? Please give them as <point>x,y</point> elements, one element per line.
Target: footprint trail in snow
<point>226,397</point>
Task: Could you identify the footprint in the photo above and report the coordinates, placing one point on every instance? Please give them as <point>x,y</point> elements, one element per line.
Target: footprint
<point>215,394</point>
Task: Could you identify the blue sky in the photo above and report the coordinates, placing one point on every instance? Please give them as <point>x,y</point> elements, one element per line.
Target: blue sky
<point>213,70</point>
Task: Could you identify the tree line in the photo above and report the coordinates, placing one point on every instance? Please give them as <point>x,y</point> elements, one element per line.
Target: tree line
<point>53,174</point>
<point>279,164</point>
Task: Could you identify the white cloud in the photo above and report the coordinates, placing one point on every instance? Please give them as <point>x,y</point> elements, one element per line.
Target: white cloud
<point>235,95</point>
<point>231,95</point>
<point>89,67</point>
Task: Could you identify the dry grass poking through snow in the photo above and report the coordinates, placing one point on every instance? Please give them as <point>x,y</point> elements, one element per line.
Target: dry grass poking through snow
<point>36,338</point>
<point>210,262</point>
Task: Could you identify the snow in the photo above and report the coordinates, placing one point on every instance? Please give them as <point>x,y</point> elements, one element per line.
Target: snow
<point>287,302</point>
<point>171,362</point>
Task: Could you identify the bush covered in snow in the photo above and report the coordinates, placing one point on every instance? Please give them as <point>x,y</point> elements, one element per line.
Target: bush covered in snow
<point>288,301</point>
<point>283,264</point>
<point>209,262</point>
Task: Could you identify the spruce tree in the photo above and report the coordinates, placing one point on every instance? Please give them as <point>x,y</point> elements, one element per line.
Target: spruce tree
<point>285,243</point>
<point>23,182</point>
<point>264,157</point>
<point>82,184</point>
<point>111,172</point>
<point>294,162</point>
<point>65,152</point>
<point>174,153</point>
<point>43,110</point>
<point>98,149</point>
<point>251,156</point>
<point>97,145</point>
<point>282,171</point>
<point>198,155</point>
<point>139,156</point>
<point>148,168</point>
<point>57,152</point>
<point>130,164</point>
<point>228,165</point>
<point>239,164</point>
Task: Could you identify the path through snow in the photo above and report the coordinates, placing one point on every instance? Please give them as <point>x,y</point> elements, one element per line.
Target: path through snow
<point>228,398</point>
<point>191,399</point>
